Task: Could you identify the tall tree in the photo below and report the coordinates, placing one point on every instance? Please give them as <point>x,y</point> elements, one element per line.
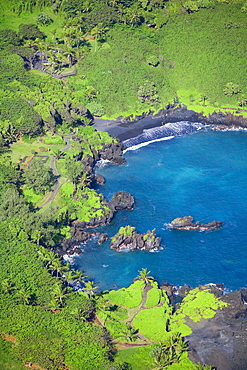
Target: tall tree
<point>38,177</point>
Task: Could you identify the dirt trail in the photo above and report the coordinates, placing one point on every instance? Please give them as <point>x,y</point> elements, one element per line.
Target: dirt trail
<point>56,174</point>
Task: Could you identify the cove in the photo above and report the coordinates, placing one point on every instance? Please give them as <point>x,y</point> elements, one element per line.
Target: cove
<point>203,175</point>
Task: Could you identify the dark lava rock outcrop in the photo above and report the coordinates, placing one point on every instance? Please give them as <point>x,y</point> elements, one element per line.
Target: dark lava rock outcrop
<point>222,340</point>
<point>121,200</point>
<point>113,152</point>
<point>128,239</point>
<point>186,223</point>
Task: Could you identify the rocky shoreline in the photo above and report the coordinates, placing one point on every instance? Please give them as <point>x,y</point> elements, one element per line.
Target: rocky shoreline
<point>129,127</point>
<point>220,341</point>
<point>124,129</point>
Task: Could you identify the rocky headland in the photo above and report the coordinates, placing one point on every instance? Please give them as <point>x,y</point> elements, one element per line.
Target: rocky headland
<point>80,231</point>
<point>222,340</point>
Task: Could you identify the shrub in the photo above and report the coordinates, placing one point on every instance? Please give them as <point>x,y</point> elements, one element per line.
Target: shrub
<point>53,140</point>
<point>44,19</point>
<point>153,60</point>
<point>200,304</point>
<point>95,108</point>
<point>231,89</point>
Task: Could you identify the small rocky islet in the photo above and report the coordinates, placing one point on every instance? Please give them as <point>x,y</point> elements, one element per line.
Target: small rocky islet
<point>127,238</point>
<point>187,223</point>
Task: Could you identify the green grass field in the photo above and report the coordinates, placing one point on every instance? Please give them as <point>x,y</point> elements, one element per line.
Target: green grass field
<point>199,54</point>
<point>11,20</point>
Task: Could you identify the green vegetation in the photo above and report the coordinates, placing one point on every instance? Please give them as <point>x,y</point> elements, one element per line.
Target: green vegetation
<point>139,358</point>
<point>127,297</point>
<point>154,297</point>
<point>53,140</point>
<point>200,304</point>
<point>39,304</point>
<point>61,62</point>
<point>157,319</point>
<point>125,54</point>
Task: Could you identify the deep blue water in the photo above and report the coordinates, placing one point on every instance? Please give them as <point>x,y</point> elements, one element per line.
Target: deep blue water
<point>203,175</point>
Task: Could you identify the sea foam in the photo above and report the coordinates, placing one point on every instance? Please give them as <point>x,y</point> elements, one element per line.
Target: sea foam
<point>165,132</point>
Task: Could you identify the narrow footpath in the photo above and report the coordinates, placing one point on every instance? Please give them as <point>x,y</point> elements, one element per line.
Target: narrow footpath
<point>56,174</point>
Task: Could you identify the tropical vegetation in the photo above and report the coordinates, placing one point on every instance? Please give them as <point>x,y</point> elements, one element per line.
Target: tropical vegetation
<point>62,63</point>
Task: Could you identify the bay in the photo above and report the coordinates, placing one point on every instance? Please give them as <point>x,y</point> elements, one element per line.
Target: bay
<point>203,175</point>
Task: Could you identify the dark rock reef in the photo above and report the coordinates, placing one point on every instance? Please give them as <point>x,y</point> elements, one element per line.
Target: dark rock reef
<point>128,239</point>
<point>186,223</point>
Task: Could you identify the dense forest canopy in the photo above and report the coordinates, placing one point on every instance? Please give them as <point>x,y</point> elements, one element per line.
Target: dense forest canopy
<point>61,63</point>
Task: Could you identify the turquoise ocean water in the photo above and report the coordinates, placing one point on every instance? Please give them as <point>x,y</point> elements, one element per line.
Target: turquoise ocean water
<point>203,175</point>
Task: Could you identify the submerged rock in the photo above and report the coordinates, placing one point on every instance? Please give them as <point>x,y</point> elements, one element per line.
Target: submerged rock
<point>186,223</point>
<point>128,239</point>
<point>99,179</point>
<point>102,238</point>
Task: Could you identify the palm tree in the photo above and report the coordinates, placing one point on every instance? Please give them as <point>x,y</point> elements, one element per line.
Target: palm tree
<point>24,296</point>
<point>7,286</point>
<point>46,256</point>
<point>58,267</point>
<point>144,276</point>
<point>204,97</point>
<point>59,294</point>
<point>37,236</point>
<point>69,54</point>
<point>58,154</point>
<point>113,3</point>
<point>98,32</point>
<point>74,276</point>
<point>104,306</point>
<point>133,15</point>
<point>90,288</point>
<point>79,313</point>
<point>168,352</point>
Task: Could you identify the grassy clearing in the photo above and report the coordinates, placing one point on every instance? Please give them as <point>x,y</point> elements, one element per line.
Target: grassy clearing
<point>128,297</point>
<point>154,297</point>
<point>205,55</point>
<point>11,20</point>
<point>157,318</point>
<point>139,358</point>
<point>21,148</point>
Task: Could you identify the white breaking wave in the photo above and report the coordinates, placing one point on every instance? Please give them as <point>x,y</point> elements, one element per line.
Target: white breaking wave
<point>165,132</point>
<point>102,163</point>
<point>135,147</point>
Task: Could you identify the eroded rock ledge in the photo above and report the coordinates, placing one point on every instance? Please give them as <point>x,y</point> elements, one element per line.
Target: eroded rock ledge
<point>186,223</point>
<point>128,239</point>
<point>80,231</point>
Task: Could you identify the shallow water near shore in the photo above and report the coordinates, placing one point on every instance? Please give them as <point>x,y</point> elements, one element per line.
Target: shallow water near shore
<point>203,175</point>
